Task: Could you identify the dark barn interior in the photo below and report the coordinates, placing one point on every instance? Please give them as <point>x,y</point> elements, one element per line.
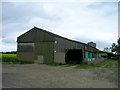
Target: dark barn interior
<point>74,56</point>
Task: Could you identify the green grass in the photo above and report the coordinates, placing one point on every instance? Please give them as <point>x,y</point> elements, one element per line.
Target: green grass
<point>106,64</point>
<point>103,70</point>
<point>84,66</point>
<point>109,65</point>
<point>11,59</point>
<point>8,57</point>
<point>68,65</point>
<point>60,64</point>
<point>55,64</point>
<point>89,66</point>
<point>116,64</point>
<point>17,62</point>
<point>102,63</point>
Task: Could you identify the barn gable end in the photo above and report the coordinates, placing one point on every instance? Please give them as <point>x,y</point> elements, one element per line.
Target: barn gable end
<point>35,35</point>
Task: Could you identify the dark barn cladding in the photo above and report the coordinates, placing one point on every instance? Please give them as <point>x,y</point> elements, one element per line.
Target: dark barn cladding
<point>40,46</point>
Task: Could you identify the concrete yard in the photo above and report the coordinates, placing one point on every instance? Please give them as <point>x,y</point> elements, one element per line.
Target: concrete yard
<point>44,76</point>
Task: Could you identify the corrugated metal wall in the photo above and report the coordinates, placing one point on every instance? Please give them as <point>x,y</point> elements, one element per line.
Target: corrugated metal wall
<point>35,35</point>
<point>25,52</point>
<point>62,45</point>
<point>44,49</point>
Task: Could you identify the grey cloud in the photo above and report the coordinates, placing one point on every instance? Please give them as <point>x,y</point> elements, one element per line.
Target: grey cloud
<point>102,45</point>
<point>7,40</point>
<point>99,5</point>
<point>64,18</point>
<point>99,44</point>
<point>105,6</point>
<point>21,12</point>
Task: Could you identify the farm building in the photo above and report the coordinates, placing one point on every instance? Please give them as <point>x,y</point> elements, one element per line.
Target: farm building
<point>40,46</point>
<point>108,55</point>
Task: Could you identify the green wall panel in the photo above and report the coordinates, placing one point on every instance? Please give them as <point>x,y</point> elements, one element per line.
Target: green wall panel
<point>44,49</point>
<point>86,54</point>
<point>90,54</point>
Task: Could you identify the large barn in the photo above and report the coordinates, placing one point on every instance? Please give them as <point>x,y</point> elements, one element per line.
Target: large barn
<point>40,46</point>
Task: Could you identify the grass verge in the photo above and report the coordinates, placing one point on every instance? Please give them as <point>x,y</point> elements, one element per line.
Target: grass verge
<point>55,64</point>
<point>68,65</point>
<point>106,64</point>
<point>84,66</point>
<point>109,65</point>
<point>18,62</point>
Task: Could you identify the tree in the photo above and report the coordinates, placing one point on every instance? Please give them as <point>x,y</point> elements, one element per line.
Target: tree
<point>106,49</point>
<point>118,41</point>
<point>116,48</point>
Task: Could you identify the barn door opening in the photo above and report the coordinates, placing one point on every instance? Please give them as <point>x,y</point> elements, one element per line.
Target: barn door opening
<point>74,56</point>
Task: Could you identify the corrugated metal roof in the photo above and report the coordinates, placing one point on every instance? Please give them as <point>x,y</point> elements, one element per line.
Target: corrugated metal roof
<point>34,28</point>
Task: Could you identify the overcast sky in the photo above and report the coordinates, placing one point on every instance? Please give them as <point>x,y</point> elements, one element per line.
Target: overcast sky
<point>80,21</point>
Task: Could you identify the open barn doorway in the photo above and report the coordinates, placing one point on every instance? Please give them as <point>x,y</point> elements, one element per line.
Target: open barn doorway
<point>74,56</point>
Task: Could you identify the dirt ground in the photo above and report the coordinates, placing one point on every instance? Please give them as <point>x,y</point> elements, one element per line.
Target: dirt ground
<point>44,76</point>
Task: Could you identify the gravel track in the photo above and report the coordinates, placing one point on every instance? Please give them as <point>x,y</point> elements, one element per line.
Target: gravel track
<point>44,76</point>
